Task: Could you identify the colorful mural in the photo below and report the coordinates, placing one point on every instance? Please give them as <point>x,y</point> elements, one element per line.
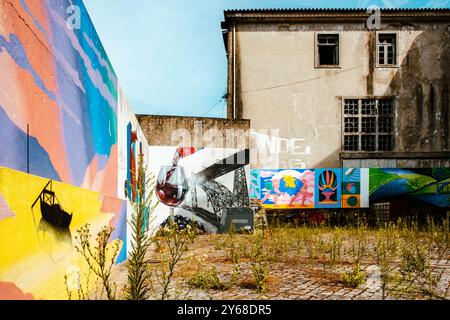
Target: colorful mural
<point>58,85</point>
<point>428,185</point>
<point>328,188</point>
<point>254,189</point>
<point>37,227</point>
<point>290,188</point>
<point>349,187</point>
<point>215,181</point>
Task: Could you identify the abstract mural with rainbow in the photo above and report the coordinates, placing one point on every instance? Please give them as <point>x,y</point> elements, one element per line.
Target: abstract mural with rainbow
<point>58,84</point>
<point>69,143</point>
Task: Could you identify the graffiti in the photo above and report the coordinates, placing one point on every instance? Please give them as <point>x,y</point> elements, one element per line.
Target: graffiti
<point>254,189</point>
<point>328,193</point>
<point>427,185</point>
<point>349,187</point>
<point>291,188</point>
<point>217,181</point>
<point>59,82</point>
<point>63,117</point>
<point>74,18</point>
<point>37,246</point>
<point>51,209</point>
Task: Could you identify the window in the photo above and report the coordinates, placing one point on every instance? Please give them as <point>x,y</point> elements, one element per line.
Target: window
<point>328,49</point>
<point>368,124</point>
<point>382,211</point>
<point>387,49</point>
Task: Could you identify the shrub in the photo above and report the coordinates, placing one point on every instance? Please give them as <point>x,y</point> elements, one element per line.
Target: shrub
<point>355,278</point>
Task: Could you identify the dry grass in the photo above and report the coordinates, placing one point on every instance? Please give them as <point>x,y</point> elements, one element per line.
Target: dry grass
<point>411,261</point>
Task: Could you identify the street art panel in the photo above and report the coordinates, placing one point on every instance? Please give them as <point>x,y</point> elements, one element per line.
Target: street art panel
<point>355,188</point>
<point>218,179</point>
<point>351,187</point>
<point>328,188</point>
<point>430,185</point>
<point>254,188</point>
<point>38,223</point>
<point>58,96</point>
<point>287,189</point>
<point>132,145</point>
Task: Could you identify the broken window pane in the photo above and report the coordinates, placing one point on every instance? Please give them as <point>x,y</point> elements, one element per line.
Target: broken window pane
<point>385,107</point>
<point>385,142</point>
<point>351,124</point>
<point>351,143</point>
<point>351,106</point>
<point>368,143</point>
<point>368,124</point>
<point>368,107</point>
<point>384,124</point>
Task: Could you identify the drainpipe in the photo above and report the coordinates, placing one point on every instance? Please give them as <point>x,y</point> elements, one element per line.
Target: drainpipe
<point>234,70</point>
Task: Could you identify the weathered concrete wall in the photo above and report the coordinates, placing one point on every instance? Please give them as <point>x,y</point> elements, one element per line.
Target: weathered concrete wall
<point>194,131</point>
<point>278,87</point>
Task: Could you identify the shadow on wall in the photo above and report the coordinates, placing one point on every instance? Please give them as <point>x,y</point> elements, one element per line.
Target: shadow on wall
<point>422,87</point>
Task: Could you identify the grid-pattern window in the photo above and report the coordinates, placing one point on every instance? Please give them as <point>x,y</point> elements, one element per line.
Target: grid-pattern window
<point>387,49</point>
<point>328,49</point>
<point>382,211</point>
<point>368,124</point>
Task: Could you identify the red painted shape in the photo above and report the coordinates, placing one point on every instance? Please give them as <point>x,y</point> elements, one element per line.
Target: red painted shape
<point>9,291</point>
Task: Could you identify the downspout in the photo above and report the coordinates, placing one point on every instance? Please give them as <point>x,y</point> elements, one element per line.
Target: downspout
<point>234,70</point>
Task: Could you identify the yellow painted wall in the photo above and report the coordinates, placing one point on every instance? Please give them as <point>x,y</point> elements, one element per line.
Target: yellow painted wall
<point>33,258</point>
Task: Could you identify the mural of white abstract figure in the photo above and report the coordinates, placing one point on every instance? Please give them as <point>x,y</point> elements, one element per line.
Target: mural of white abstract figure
<point>218,179</point>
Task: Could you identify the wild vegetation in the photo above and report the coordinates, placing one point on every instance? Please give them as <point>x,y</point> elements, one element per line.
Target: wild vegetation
<point>399,260</point>
<point>406,259</point>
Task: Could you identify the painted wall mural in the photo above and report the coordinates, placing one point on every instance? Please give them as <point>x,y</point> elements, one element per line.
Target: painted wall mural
<point>216,182</point>
<point>328,184</point>
<point>290,188</point>
<point>429,185</point>
<point>37,226</point>
<point>352,187</point>
<point>254,189</point>
<point>58,83</point>
<point>348,187</point>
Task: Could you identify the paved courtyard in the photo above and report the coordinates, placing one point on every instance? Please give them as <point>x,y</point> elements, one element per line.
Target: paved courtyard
<point>290,278</point>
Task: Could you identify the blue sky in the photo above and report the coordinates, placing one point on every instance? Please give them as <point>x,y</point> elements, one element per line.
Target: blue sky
<point>169,54</point>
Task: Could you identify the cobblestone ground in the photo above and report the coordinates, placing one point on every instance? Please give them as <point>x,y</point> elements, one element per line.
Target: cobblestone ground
<point>288,280</point>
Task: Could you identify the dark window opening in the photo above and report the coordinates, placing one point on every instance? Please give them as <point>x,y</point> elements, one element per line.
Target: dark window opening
<point>368,124</point>
<point>351,143</point>
<point>328,49</point>
<point>387,49</point>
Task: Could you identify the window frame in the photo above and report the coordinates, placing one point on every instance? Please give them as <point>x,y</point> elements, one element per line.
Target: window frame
<point>377,49</point>
<point>317,64</point>
<point>377,133</point>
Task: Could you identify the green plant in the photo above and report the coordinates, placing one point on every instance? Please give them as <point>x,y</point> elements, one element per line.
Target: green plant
<point>414,259</point>
<point>100,258</point>
<point>210,279</point>
<point>355,278</point>
<point>259,264</point>
<point>173,244</point>
<point>234,253</point>
<point>138,287</point>
<point>336,246</point>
